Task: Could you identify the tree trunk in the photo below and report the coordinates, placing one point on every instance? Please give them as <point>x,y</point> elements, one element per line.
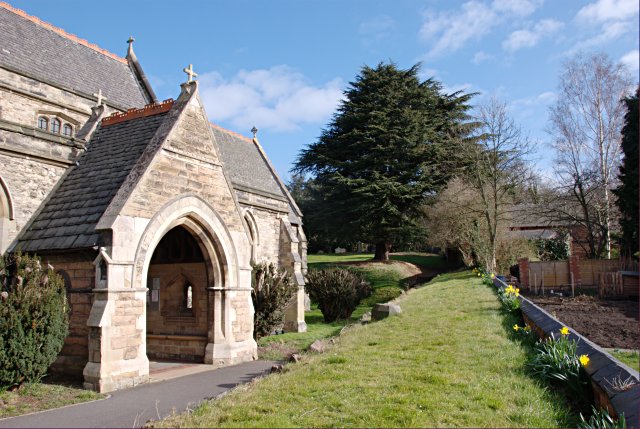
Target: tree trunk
<point>382,251</point>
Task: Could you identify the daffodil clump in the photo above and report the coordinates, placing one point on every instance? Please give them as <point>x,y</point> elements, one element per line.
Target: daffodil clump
<point>525,333</point>
<point>509,297</point>
<point>556,360</point>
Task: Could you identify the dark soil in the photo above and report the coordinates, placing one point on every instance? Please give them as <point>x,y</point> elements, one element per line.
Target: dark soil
<point>608,323</point>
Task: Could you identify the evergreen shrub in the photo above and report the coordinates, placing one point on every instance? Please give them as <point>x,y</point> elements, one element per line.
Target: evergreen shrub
<point>33,319</point>
<point>337,292</point>
<point>272,291</point>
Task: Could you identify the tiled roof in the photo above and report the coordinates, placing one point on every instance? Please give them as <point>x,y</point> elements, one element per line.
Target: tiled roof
<point>45,52</point>
<point>244,162</point>
<point>69,217</point>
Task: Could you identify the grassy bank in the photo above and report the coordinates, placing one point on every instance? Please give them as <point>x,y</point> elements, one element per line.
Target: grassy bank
<point>32,397</point>
<point>445,361</point>
<point>631,358</point>
<point>387,281</point>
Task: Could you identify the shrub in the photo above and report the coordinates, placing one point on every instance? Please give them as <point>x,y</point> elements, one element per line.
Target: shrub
<point>272,291</point>
<point>33,319</point>
<point>337,292</point>
<point>383,294</point>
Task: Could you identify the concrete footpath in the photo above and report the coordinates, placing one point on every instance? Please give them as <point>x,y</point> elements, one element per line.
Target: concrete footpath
<point>132,408</point>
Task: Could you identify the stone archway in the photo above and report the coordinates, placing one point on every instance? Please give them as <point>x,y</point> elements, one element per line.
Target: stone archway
<point>177,302</point>
<point>226,255</point>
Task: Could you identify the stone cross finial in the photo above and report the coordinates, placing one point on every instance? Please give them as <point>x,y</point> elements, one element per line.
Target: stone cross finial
<point>254,130</point>
<point>131,40</point>
<point>189,71</point>
<point>100,97</point>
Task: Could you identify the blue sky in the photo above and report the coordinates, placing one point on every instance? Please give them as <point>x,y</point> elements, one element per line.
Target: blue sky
<point>282,65</point>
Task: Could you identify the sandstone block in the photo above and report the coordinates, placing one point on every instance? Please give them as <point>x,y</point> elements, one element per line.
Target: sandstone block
<point>382,311</point>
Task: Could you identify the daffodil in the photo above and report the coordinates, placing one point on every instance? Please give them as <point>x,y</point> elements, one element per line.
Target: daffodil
<point>527,328</point>
<point>516,327</point>
<point>564,330</point>
<point>493,276</point>
<point>584,360</point>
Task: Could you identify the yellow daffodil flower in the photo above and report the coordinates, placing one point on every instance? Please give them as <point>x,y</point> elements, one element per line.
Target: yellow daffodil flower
<point>516,327</point>
<point>564,330</point>
<point>493,276</point>
<point>584,360</point>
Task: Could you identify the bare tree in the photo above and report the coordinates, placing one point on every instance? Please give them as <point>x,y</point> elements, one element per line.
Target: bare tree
<point>498,170</point>
<point>585,122</point>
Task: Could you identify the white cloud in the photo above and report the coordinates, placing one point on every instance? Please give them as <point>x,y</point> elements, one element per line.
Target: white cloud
<point>543,99</point>
<point>278,98</point>
<point>608,10</point>
<point>530,37</point>
<point>480,57</point>
<point>517,7</point>
<point>631,60</point>
<point>610,31</point>
<point>376,29</point>
<point>447,31</point>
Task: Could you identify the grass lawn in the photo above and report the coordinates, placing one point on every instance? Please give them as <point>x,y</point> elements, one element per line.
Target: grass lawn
<point>387,282</point>
<point>631,358</point>
<point>32,397</point>
<point>446,361</point>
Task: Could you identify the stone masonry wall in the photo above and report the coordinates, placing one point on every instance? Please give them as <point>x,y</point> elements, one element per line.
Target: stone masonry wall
<point>29,182</point>
<point>172,334</point>
<point>80,273</point>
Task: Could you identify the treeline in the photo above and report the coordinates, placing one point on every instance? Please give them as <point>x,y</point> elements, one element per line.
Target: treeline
<point>404,164</point>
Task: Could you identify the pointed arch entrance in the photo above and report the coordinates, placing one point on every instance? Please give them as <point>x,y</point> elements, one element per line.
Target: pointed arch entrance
<point>177,302</point>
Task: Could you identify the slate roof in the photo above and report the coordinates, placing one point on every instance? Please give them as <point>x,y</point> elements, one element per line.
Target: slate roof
<point>244,162</point>
<point>47,53</point>
<point>69,217</point>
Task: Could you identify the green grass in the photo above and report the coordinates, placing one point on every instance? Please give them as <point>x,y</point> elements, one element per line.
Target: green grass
<point>631,358</point>
<point>445,361</point>
<point>387,282</point>
<point>32,397</point>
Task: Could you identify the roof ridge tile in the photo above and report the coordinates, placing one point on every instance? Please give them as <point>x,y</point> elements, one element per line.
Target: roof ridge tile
<point>148,110</point>
<point>61,32</point>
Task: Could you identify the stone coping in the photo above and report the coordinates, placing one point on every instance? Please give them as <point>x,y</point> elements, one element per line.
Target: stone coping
<point>602,368</point>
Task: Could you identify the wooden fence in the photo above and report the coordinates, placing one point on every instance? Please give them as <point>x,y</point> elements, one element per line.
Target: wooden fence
<point>597,274</point>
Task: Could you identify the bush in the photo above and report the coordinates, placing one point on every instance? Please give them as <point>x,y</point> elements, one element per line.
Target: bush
<point>33,319</point>
<point>272,291</point>
<point>337,292</point>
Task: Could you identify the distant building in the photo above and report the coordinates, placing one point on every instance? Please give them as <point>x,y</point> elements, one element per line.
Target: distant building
<point>151,214</point>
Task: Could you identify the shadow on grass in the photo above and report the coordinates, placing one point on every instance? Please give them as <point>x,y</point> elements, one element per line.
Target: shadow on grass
<point>553,392</point>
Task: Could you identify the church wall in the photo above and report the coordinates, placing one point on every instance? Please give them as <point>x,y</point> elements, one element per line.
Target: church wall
<point>267,213</point>
<point>23,96</point>
<point>79,271</point>
<point>172,334</point>
<point>29,181</point>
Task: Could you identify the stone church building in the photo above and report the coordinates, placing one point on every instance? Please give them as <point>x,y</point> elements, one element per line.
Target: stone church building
<point>151,214</point>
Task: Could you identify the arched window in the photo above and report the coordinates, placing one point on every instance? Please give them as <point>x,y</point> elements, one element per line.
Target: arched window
<point>188,297</point>
<point>67,130</point>
<point>55,126</point>
<point>43,123</point>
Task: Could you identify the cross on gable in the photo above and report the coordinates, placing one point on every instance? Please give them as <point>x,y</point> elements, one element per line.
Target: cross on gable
<point>100,97</point>
<point>189,71</point>
<point>254,130</point>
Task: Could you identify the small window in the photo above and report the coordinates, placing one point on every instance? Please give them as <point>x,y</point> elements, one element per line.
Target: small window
<point>43,123</point>
<point>188,297</point>
<point>67,130</point>
<point>55,126</point>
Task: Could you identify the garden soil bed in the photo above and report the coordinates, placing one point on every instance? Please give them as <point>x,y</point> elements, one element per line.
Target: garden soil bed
<point>608,323</point>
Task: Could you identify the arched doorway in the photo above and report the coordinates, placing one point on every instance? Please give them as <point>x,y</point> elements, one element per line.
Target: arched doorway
<point>177,304</point>
<point>6,216</point>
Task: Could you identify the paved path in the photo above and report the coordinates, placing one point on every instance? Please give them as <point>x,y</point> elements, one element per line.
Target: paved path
<point>132,408</point>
